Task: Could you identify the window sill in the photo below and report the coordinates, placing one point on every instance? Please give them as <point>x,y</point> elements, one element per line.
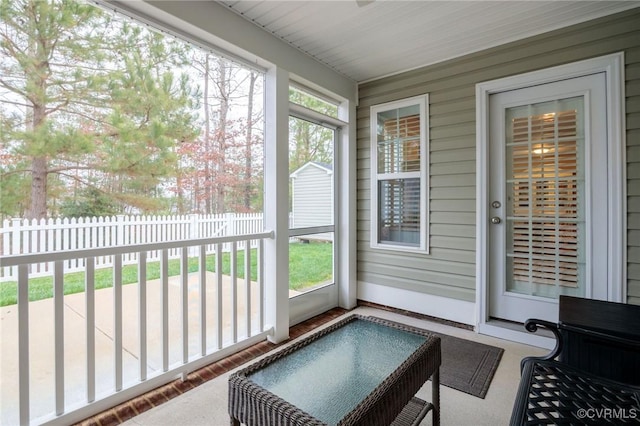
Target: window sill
<point>400,248</point>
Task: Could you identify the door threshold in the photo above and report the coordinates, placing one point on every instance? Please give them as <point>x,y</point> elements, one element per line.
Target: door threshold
<point>516,332</point>
<point>518,326</point>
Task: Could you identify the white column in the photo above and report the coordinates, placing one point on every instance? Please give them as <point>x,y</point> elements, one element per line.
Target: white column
<point>276,204</point>
<point>346,198</point>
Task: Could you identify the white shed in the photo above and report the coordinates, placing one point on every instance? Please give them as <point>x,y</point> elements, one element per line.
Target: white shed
<point>312,197</point>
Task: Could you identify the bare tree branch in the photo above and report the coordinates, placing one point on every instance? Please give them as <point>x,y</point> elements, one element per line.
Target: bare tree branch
<point>20,104</point>
<point>11,88</point>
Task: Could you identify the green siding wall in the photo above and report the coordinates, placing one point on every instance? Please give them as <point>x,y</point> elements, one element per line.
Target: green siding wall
<point>632,86</point>
<point>449,269</point>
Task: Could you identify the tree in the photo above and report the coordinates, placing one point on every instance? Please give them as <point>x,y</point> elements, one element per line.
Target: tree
<point>218,169</point>
<point>89,202</point>
<point>309,141</point>
<point>248,152</point>
<point>152,111</point>
<point>93,101</point>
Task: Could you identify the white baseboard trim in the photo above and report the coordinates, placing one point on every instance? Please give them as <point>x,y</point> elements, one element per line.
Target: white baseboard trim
<point>426,304</point>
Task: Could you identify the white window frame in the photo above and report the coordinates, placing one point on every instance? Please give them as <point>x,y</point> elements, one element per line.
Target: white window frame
<point>423,102</point>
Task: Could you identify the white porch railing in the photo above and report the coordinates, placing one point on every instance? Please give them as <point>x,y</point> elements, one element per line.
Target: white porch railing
<point>149,332</point>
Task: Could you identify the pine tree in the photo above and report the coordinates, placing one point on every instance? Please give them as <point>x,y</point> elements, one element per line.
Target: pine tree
<point>87,99</point>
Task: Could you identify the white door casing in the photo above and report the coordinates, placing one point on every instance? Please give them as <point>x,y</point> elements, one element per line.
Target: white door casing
<point>613,161</point>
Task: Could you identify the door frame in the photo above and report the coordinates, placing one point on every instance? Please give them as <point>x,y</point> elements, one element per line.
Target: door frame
<point>314,302</point>
<point>613,68</point>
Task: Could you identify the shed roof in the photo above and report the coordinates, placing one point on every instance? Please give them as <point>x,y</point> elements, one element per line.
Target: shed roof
<point>324,166</point>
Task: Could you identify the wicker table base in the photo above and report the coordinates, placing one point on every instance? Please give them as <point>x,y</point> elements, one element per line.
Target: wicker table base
<point>413,413</point>
<point>387,400</point>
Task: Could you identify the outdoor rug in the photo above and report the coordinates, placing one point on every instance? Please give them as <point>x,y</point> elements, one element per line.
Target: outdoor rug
<point>467,366</point>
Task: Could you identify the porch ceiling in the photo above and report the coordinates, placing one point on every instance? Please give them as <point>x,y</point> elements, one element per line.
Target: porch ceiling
<point>368,39</point>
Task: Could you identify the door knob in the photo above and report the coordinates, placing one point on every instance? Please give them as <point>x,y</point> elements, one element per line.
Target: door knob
<point>495,220</point>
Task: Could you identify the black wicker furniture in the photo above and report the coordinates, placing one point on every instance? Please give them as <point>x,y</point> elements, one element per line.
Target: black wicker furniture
<point>553,392</point>
<point>358,371</point>
<point>592,374</point>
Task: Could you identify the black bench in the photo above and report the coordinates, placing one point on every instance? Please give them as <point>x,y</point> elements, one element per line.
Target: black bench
<point>592,376</point>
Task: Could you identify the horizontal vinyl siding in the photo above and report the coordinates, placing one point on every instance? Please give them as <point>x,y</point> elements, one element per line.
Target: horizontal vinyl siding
<point>449,269</point>
<point>632,78</point>
<point>312,204</point>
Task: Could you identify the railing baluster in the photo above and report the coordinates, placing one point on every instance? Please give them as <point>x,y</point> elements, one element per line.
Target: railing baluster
<point>58,324</point>
<point>219,322</point>
<point>260,266</point>
<point>203,299</point>
<point>247,283</point>
<point>184,298</point>
<point>142,312</point>
<point>233,257</point>
<point>90,303</point>
<point>164,277</point>
<point>23,342</point>
<point>117,319</point>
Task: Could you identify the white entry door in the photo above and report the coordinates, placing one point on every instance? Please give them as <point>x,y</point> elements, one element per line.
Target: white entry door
<point>547,197</point>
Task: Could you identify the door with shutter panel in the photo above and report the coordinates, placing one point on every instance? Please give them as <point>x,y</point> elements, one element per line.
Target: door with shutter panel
<point>548,213</point>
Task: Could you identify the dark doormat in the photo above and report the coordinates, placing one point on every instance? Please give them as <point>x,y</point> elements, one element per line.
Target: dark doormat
<point>468,366</point>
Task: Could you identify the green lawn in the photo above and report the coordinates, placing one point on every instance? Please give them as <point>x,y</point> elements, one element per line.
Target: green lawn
<point>310,264</point>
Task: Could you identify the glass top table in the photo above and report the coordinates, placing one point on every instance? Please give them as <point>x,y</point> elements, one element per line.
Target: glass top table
<point>361,370</point>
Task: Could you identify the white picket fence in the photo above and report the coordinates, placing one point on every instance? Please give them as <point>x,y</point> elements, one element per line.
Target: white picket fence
<point>23,236</point>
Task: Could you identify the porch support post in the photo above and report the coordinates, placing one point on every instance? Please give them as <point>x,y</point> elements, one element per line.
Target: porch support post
<point>276,202</point>
<point>346,198</point>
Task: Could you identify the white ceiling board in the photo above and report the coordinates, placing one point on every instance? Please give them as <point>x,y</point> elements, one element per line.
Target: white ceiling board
<point>385,37</point>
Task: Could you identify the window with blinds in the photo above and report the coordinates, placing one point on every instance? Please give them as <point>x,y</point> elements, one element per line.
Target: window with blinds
<point>399,211</point>
<point>399,149</point>
<point>545,181</point>
<point>399,174</point>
